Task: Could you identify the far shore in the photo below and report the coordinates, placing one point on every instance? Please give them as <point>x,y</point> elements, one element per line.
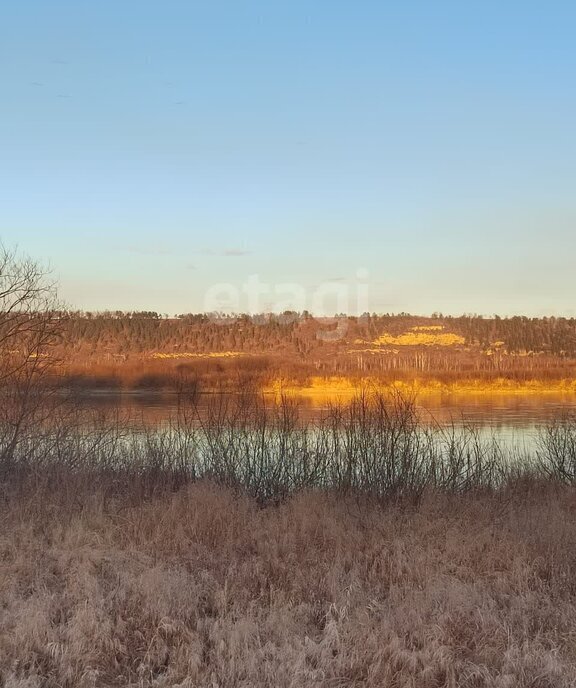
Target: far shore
<point>341,388</point>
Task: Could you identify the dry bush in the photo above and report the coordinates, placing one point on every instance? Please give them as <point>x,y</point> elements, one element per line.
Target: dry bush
<point>375,446</point>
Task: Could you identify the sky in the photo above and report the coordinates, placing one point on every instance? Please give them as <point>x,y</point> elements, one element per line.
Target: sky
<point>183,156</point>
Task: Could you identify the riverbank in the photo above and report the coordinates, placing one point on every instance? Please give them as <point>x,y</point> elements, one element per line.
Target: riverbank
<point>232,372</point>
<point>345,389</point>
<point>204,587</point>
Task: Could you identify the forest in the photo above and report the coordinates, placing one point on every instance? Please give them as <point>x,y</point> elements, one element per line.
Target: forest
<point>146,348</point>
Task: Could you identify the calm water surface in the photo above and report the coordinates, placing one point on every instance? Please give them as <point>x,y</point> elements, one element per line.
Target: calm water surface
<point>514,419</point>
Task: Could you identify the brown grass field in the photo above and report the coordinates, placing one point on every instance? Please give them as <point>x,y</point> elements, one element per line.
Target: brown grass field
<point>203,587</point>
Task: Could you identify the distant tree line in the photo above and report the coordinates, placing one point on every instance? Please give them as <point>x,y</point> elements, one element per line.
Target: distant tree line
<point>301,335</point>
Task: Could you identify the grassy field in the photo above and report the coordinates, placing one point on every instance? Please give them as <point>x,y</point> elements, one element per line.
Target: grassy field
<point>202,587</point>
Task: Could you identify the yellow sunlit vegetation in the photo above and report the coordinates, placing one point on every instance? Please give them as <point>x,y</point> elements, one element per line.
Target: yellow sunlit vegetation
<point>318,388</point>
<point>189,354</point>
<point>324,390</point>
<point>419,335</point>
<point>422,336</point>
<point>373,351</point>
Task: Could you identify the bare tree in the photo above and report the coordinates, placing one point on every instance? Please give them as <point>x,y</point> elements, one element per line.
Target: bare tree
<point>30,326</point>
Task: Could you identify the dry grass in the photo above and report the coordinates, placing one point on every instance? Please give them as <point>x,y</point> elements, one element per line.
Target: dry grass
<point>187,354</point>
<point>422,336</point>
<point>321,390</point>
<point>201,587</point>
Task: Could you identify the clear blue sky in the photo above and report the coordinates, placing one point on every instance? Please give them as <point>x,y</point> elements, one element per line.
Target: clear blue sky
<point>151,149</point>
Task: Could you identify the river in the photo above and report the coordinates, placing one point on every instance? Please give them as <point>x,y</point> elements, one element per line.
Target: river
<point>513,419</point>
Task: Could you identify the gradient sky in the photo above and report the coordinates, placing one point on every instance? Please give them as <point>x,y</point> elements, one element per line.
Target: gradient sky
<point>149,150</point>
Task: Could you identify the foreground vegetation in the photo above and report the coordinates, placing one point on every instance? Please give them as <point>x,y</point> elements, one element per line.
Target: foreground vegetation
<point>241,546</point>
<point>202,587</point>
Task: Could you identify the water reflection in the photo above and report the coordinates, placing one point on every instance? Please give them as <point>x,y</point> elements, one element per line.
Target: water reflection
<point>514,419</point>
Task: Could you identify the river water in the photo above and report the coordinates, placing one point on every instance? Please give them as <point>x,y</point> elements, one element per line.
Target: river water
<point>512,419</point>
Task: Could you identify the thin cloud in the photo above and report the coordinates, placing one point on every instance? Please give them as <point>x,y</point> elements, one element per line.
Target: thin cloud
<point>226,252</point>
<point>147,250</point>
